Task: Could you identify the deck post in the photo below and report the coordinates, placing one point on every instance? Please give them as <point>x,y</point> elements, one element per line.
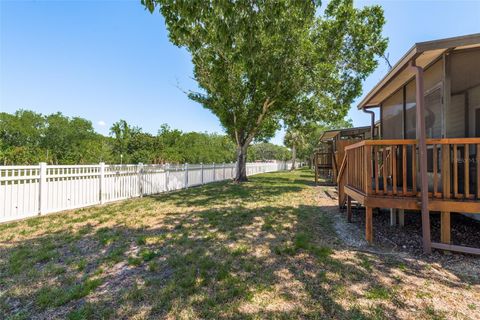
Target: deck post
<point>445,231</point>
<point>401,218</point>
<point>393,217</point>
<point>445,217</point>
<point>349,209</point>
<point>422,157</point>
<point>368,225</point>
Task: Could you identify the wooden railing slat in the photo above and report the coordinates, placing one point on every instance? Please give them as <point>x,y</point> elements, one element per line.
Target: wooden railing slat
<point>362,160</point>
<point>384,171</point>
<point>375,167</point>
<point>446,170</point>
<point>435,171</point>
<point>455,172</point>
<point>394,169</point>
<point>414,170</point>
<point>478,170</point>
<point>404,168</point>
<point>368,169</point>
<point>467,171</point>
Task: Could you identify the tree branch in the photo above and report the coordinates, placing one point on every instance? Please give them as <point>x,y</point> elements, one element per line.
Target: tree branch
<point>266,105</point>
<point>237,137</point>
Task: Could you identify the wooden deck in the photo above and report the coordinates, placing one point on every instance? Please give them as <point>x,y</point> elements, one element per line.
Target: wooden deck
<point>324,168</point>
<point>384,174</point>
<point>328,158</point>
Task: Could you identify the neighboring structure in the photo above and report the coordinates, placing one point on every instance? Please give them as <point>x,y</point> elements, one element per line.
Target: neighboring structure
<point>331,150</point>
<point>430,118</point>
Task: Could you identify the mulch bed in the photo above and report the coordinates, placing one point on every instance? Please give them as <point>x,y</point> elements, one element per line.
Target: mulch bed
<point>465,230</point>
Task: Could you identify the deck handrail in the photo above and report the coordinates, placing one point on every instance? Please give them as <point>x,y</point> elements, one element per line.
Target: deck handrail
<point>412,141</point>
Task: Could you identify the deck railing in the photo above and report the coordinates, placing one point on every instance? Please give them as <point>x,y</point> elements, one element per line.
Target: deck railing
<point>390,168</point>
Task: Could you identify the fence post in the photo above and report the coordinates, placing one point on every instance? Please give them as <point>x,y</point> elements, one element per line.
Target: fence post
<point>224,171</point>
<point>140,181</point>
<point>214,175</point>
<point>42,188</point>
<point>185,167</point>
<point>102,182</point>
<point>201,170</point>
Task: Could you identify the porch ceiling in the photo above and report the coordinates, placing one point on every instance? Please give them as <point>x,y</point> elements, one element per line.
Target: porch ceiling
<point>348,132</point>
<point>424,54</point>
<point>329,135</point>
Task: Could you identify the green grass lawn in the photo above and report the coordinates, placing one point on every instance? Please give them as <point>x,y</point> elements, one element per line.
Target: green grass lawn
<point>263,249</point>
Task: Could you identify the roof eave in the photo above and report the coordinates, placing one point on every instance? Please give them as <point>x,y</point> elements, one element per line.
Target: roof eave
<point>416,50</point>
<point>397,68</point>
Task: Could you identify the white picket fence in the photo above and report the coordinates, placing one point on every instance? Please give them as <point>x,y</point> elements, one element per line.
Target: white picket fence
<point>27,191</point>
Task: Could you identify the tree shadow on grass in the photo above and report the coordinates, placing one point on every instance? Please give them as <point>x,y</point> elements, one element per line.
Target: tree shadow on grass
<point>265,262</point>
<point>258,189</point>
<point>212,259</point>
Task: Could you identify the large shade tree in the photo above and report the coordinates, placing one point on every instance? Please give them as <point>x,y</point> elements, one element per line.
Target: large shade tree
<point>261,63</point>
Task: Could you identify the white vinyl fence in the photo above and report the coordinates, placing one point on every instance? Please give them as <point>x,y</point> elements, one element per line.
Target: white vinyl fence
<point>27,191</point>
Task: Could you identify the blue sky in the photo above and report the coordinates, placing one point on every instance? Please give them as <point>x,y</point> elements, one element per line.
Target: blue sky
<point>110,60</point>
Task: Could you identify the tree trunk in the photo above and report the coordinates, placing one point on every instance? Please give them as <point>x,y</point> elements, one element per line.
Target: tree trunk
<point>241,174</point>
<point>294,157</point>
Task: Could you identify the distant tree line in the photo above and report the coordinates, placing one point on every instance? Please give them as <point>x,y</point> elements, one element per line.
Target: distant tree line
<point>27,137</point>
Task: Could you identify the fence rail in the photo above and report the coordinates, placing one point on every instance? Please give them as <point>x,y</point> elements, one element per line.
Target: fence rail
<point>27,191</point>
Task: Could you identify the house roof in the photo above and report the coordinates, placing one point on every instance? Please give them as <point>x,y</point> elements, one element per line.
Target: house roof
<point>331,134</point>
<point>424,53</point>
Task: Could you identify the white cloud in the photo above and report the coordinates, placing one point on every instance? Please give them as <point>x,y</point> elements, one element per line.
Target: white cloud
<point>101,123</point>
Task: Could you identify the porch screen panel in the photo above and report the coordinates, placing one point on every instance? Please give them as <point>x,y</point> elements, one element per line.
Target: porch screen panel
<point>465,89</point>
<point>433,114</point>
<point>433,103</point>
<point>392,116</point>
<point>455,119</point>
<point>462,116</point>
<point>410,111</point>
<point>464,70</point>
<point>433,76</point>
<point>473,109</point>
